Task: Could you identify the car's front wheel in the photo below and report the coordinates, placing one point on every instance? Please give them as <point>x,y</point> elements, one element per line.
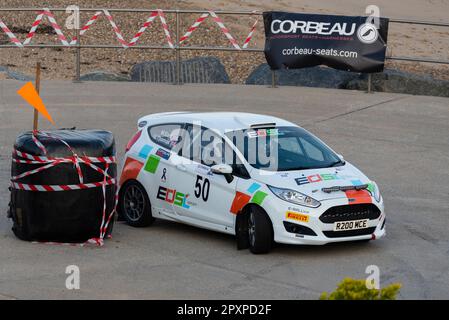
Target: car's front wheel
<point>134,205</point>
<point>260,231</point>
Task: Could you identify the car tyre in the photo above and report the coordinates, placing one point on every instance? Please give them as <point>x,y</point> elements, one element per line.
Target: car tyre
<point>260,231</point>
<point>134,205</point>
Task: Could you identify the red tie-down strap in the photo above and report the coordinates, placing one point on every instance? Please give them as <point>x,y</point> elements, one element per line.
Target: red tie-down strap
<point>22,157</point>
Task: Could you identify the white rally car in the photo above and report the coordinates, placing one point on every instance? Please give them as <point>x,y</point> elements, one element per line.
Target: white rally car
<point>257,177</point>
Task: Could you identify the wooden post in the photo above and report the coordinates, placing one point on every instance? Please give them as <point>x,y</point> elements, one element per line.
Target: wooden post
<point>370,83</point>
<point>273,79</point>
<point>37,86</point>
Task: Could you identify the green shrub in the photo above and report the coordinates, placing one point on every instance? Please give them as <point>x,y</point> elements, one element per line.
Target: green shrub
<point>352,289</point>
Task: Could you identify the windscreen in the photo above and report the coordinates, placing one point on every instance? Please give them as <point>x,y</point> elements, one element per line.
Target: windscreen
<point>283,149</point>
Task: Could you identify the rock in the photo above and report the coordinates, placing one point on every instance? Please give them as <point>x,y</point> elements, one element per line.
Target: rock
<point>402,82</point>
<point>389,81</point>
<point>196,70</point>
<point>103,76</point>
<point>14,75</point>
<point>5,73</point>
<point>321,77</point>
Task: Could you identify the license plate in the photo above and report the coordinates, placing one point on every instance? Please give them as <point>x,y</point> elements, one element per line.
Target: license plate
<point>351,225</point>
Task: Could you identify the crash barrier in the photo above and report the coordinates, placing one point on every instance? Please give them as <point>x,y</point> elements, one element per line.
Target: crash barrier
<point>176,42</point>
<point>157,13</point>
<point>63,186</point>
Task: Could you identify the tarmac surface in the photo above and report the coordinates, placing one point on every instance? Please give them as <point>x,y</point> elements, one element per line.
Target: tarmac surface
<point>400,141</point>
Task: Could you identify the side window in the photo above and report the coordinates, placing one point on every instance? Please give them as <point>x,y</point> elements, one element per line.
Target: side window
<point>166,135</point>
<point>238,168</point>
<point>215,150</point>
<point>204,146</point>
<point>312,151</point>
<point>190,143</point>
<point>212,148</point>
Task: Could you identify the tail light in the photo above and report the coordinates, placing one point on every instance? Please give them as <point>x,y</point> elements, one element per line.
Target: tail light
<point>133,140</point>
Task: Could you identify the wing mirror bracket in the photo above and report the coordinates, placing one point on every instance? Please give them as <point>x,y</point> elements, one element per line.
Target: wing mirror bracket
<point>225,170</point>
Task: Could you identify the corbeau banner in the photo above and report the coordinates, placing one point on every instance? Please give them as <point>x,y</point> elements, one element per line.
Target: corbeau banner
<point>295,40</point>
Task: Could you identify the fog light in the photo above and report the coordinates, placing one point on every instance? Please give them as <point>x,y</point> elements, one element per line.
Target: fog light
<point>298,229</point>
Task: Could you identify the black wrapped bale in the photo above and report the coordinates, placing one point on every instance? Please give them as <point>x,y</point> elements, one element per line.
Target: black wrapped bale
<point>62,216</point>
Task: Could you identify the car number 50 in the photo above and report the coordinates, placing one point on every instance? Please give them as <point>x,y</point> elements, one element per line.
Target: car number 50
<point>202,188</point>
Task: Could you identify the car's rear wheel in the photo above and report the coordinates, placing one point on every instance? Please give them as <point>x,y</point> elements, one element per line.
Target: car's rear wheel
<point>260,231</point>
<point>135,206</point>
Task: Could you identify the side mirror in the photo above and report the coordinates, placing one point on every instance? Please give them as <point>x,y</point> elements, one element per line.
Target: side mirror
<point>223,169</point>
<point>341,157</point>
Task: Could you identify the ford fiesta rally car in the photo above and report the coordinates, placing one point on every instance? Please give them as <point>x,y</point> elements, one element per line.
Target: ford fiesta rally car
<point>257,177</point>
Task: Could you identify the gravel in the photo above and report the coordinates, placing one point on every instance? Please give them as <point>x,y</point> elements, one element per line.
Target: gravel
<point>59,63</point>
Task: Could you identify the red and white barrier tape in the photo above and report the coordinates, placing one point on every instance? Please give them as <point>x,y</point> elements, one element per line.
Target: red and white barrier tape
<point>147,23</point>
<point>165,27</point>
<point>34,26</point>
<point>105,221</point>
<point>53,163</point>
<point>194,26</point>
<point>222,27</point>
<point>86,27</point>
<point>30,173</point>
<point>32,159</point>
<point>39,144</point>
<point>54,188</point>
<point>116,29</point>
<point>51,18</point>
<point>10,35</point>
<point>157,13</point>
<point>224,30</point>
<point>76,160</point>
<point>250,35</point>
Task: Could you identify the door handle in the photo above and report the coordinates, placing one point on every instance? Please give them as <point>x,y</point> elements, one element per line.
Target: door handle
<point>181,167</point>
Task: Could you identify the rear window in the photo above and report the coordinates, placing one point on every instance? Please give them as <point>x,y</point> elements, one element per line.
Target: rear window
<point>166,135</point>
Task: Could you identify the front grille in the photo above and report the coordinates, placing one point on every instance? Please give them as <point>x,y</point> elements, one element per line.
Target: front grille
<point>350,212</point>
<point>349,233</point>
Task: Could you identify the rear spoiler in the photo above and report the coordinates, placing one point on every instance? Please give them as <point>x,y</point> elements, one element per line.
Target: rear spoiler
<point>345,188</point>
<point>142,122</point>
<point>263,126</point>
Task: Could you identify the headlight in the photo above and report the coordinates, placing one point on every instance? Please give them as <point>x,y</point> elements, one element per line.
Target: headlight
<point>374,190</point>
<point>295,197</point>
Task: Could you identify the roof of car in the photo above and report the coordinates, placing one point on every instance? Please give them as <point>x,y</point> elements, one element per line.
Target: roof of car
<point>221,121</point>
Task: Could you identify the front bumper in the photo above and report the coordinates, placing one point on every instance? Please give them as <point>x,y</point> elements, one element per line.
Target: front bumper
<point>323,231</point>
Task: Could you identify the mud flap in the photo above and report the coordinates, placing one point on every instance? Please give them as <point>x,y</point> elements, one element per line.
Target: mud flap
<point>119,214</point>
<point>242,231</point>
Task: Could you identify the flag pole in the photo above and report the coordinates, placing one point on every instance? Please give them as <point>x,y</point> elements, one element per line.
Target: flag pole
<point>37,86</point>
